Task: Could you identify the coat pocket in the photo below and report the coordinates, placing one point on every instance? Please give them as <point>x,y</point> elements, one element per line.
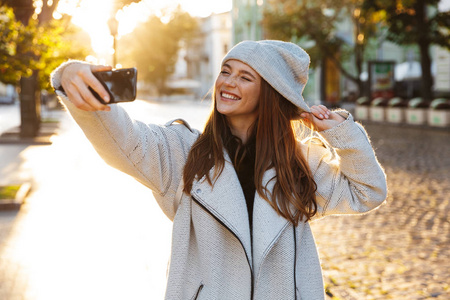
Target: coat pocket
<point>197,294</point>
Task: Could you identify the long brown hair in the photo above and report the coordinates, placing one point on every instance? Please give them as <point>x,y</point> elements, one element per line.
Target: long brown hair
<point>276,147</point>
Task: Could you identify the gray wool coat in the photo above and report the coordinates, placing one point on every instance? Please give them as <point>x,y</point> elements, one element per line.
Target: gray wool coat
<point>213,254</point>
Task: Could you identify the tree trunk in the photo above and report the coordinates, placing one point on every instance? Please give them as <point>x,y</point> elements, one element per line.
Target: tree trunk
<point>427,79</point>
<point>323,80</point>
<point>424,46</point>
<point>30,108</point>
<point>359,52</point>
<point>48,8</point>
<point>30,112</point>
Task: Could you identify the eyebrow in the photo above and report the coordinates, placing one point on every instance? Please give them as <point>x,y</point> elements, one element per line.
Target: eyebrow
<point>241,71</point>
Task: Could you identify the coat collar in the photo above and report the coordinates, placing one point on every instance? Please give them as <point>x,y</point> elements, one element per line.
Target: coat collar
<point>226,202</point>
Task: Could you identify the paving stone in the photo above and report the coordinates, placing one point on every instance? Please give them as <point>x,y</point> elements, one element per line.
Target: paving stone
<point>401,250</point>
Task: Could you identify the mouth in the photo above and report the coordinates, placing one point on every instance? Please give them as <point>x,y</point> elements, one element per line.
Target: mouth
<point>229,96</point>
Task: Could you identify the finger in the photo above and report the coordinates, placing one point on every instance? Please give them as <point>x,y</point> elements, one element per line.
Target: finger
<point>311,120</point>
<point>306,116</point>
<point>77,100</point>
<point>324,111</point>
<point>100,68</point>
<point>88,97</point>
<point>317,112</point>
<point>321,111</point>
<point>92,81</point>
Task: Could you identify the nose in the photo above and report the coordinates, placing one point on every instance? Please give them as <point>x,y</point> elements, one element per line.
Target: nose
<point>230,81</point>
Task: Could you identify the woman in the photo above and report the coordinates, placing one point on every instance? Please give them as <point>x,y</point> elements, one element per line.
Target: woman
<point>240,194</point>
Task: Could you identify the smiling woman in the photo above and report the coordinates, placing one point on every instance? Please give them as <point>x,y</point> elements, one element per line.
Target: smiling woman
<point>241,192</point>
<point>237,93</point>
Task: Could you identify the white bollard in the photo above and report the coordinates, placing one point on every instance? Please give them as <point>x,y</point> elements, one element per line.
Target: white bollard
<point>395,114</point>
<point>362,112</point>
<point>416,116</point>
<point>438,118</point>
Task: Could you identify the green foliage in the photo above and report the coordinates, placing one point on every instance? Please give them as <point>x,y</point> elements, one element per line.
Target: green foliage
<point>302,21</point>
<point>59,41</point>
<point>413,21</point>
<point>9,191</point>
<point>15,36</point>
<point>155,45</point>
<point>24,49</point>
<point>313,25</point>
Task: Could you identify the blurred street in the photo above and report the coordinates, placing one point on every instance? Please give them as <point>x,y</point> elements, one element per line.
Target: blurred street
<point>89,232</point>
<point>402,250</point>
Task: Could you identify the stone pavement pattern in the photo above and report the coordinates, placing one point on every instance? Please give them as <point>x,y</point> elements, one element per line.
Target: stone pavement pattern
<point>89,232</point>
<point>401,250</point>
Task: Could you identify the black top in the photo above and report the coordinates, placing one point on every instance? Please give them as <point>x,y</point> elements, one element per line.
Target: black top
<point>243,158</point>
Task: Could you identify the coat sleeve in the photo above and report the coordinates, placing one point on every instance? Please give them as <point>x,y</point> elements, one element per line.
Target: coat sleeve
<point>348,176</point>
<point>154,155</point>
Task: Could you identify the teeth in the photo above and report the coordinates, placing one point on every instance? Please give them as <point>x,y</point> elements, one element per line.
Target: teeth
<point>228,96</point>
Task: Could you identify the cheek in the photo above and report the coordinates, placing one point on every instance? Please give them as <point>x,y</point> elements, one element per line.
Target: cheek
<point>255,100</point>
<point>216,87</point>
<point>218,81</point>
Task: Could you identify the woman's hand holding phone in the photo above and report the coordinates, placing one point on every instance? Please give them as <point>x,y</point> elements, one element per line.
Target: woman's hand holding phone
<point>77,78</point>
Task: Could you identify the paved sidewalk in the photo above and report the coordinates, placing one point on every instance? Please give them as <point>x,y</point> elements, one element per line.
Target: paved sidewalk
<point>64,245</point>
<point>86,231</point>
<point>402,250</point>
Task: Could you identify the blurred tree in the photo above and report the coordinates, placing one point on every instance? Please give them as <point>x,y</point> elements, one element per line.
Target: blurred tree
<point>415,22</point>
<point>32,45</point>
<point>154,45</point>
<point>12,34</point>
<point>32,50</point>
<point>313,23</point>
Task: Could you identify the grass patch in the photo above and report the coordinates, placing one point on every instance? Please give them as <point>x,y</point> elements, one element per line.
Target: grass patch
<point>9,192</point>
<point>50,120</point>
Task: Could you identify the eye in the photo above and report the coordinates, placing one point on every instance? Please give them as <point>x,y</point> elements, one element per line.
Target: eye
<point>224,72</point>
<point>246,79</point>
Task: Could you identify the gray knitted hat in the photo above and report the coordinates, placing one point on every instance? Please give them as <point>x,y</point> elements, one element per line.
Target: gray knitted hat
<point>283,65</point>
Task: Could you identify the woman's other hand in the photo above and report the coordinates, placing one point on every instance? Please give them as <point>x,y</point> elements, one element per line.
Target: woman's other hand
<point>322,118</point>
<point>76,80</point>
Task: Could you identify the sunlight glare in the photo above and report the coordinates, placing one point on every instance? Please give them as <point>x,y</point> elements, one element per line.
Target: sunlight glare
<point>92,16</point>
<point>130,16</point>
<point>57,15</point>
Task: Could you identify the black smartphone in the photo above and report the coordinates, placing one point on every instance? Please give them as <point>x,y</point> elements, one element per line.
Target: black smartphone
<point>120,85</point>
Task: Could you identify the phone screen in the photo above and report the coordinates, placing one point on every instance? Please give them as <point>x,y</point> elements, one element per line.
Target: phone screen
<point>120,84</point>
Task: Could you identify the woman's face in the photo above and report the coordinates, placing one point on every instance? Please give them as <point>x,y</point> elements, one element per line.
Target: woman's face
<point>237,92</point>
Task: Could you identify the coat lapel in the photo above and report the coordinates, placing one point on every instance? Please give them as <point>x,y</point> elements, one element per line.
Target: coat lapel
<point>267,224</point>
<point>226,202</point>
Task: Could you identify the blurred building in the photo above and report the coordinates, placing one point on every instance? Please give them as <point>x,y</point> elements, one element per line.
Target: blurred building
<point>204,53</point>
<point>442,78</point>
<point>8,93</point>
<point>247,16</point>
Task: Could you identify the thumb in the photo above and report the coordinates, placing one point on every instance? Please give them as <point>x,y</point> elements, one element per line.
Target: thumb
<point>307,116</point>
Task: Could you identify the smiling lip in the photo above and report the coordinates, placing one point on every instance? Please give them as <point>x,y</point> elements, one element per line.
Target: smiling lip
<point>229,96</point>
